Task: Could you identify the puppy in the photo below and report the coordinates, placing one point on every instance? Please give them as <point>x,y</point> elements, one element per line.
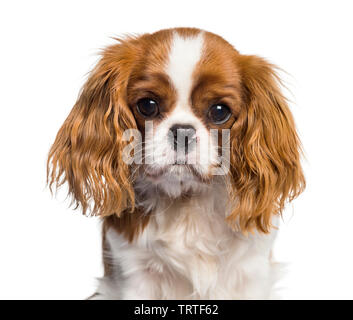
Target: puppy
<point>188,152</point>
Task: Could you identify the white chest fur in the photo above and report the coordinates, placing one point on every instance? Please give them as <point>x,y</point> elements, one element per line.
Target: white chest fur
<point>187,251</point>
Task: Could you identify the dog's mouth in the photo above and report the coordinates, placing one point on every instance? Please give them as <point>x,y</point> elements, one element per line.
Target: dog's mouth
<point>177,171</point>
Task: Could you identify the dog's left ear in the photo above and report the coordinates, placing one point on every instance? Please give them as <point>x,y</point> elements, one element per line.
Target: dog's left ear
<point>265,155</point>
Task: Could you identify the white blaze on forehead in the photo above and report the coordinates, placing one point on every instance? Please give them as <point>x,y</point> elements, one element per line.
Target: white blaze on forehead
<point>184,55</point>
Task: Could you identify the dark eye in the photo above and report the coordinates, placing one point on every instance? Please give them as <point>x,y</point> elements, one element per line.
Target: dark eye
<point>219,113</point>
<point>147,107</point>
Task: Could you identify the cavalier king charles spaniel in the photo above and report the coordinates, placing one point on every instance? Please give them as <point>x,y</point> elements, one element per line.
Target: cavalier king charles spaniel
<point>188,152</point>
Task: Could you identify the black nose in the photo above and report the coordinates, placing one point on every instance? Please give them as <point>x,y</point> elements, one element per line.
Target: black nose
<point>184,137</point>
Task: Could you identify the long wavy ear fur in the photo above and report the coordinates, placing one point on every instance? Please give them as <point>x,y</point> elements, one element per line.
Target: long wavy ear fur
<point>87,152</point>
<point>265,155</point>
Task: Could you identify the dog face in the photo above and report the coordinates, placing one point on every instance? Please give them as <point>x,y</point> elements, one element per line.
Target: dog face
<point>193,91</point>
<point>202,109</point>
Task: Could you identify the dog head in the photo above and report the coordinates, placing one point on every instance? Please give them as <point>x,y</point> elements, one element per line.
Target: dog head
<point>199,109</point>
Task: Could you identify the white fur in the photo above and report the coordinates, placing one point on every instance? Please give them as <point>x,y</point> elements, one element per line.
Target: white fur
<point>187,251</point>
<point>184,55</point>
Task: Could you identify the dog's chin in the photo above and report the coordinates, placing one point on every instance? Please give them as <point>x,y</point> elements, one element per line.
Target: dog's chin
<point>177,179</point>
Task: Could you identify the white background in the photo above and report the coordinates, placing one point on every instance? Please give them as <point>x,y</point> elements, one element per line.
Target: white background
<point>48,251</point>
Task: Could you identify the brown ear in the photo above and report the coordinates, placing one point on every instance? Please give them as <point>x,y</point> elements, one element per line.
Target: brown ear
<point>266,150</point>
<point>87,152</point>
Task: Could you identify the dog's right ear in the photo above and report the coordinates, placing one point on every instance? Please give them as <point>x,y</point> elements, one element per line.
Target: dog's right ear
<point>87,152</point>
